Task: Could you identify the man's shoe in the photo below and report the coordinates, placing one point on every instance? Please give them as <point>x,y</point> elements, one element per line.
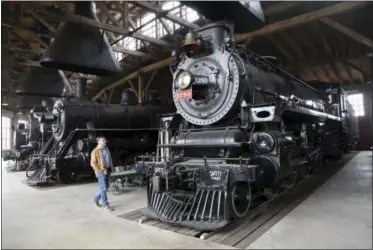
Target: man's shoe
<point>96,203</point>
<point>108,208</point>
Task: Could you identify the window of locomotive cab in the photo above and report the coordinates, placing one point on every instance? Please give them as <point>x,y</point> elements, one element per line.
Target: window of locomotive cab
<point>357,102</point>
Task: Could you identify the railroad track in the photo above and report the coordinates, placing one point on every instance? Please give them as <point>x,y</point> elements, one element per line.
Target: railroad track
<point>261,217</point>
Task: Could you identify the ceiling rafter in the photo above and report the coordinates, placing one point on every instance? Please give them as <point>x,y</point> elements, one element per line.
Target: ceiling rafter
<point>83,20</point>
<point>162,13</point>
<point>348,32</point>
<point>301,19</point>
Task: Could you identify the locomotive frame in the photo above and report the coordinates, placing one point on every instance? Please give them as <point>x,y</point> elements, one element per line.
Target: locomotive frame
<point>249,130</point>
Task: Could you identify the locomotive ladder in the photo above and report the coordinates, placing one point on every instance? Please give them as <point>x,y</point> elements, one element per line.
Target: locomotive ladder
<point>62,151</point>
<point>47,146</point>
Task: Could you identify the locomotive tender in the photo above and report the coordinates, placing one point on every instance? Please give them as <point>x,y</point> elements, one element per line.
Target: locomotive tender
<point>245,128</point>
<point>75,125</point>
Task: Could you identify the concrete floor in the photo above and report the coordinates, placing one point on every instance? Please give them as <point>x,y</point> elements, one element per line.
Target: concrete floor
<point>338,215</point>
<point>66,218</point>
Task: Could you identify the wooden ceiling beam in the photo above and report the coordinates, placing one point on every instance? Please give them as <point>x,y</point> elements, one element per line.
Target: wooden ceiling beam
<point>159,12</point>
<point>329,53</point>
<point>143,70</point>
<point>29,63</point>
<point>300,62</point>
<point>104,9</point>
<point>44,22</point>
<point>82,20</point>
<point>301,19</point>
<point>130,52</point>
<point>22,40</point>
<point>307,41</point>
<point>281,7</point>
<point>348,32</point>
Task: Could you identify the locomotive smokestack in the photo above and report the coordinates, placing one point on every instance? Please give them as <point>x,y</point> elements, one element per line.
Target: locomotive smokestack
<point>81,88</point>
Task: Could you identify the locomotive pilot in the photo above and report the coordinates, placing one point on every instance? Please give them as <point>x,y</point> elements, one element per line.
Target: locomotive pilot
<point>102,164</point>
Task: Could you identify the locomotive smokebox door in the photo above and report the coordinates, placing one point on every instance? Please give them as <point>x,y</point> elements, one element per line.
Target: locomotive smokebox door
<point>159,184</point>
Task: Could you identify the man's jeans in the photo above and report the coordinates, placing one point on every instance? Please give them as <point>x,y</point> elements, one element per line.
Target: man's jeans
<point>103,181</point>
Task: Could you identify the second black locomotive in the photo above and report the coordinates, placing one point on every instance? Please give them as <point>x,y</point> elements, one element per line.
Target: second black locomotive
<point>245,127</point>
<point>129,128</point>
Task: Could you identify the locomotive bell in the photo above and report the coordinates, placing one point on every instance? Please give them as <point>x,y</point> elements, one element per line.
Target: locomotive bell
<point>81,48</point>
<point>190,43</point>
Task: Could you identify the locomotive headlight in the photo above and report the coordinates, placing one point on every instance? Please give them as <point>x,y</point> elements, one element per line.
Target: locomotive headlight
<point>183,79</point>
<point>264,142</point>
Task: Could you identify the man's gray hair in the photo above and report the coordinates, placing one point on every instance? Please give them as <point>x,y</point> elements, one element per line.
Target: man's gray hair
<point>100,137</point>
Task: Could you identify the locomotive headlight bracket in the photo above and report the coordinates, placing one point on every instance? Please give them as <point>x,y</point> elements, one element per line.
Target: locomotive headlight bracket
<point>264,142</point>
<point>183,79</point>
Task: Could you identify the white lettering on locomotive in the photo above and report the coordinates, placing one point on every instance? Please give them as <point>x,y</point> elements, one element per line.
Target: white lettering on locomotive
<point>215,175</point>
<point>202,80</point>
<point>158,170</point>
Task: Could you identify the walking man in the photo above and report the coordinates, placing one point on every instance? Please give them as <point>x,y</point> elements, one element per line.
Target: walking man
<point>102,164</point>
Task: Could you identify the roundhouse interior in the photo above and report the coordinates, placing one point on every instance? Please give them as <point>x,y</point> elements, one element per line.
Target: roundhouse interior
<point>76,70</point>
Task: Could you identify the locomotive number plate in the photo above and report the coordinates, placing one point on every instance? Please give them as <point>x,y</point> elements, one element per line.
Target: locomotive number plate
<point>184,94</point>
<point>201,80</point>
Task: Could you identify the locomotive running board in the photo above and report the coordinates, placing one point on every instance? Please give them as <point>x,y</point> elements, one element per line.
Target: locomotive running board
<point>243,232</point>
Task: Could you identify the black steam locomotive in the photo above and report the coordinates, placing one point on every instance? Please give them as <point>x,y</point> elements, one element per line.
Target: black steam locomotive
<point>29,139</point>
<point>245,127</point>
<point>129,128</point>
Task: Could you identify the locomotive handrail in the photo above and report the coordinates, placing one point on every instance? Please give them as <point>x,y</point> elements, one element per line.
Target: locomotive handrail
<point>209,128</point>
<point>115,129</point>
<point>64,148</point>
<point>197,158</point>
<point>204,145</point>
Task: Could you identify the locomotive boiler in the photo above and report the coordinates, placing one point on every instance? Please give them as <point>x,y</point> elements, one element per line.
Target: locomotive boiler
<point>128,127</point>
<point>245,128</point>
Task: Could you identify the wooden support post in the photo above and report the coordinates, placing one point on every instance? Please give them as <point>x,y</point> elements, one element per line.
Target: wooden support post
<point>134,89</point>
<point>140,90</point>
<point>111,94</point>
<point>151,79</point>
